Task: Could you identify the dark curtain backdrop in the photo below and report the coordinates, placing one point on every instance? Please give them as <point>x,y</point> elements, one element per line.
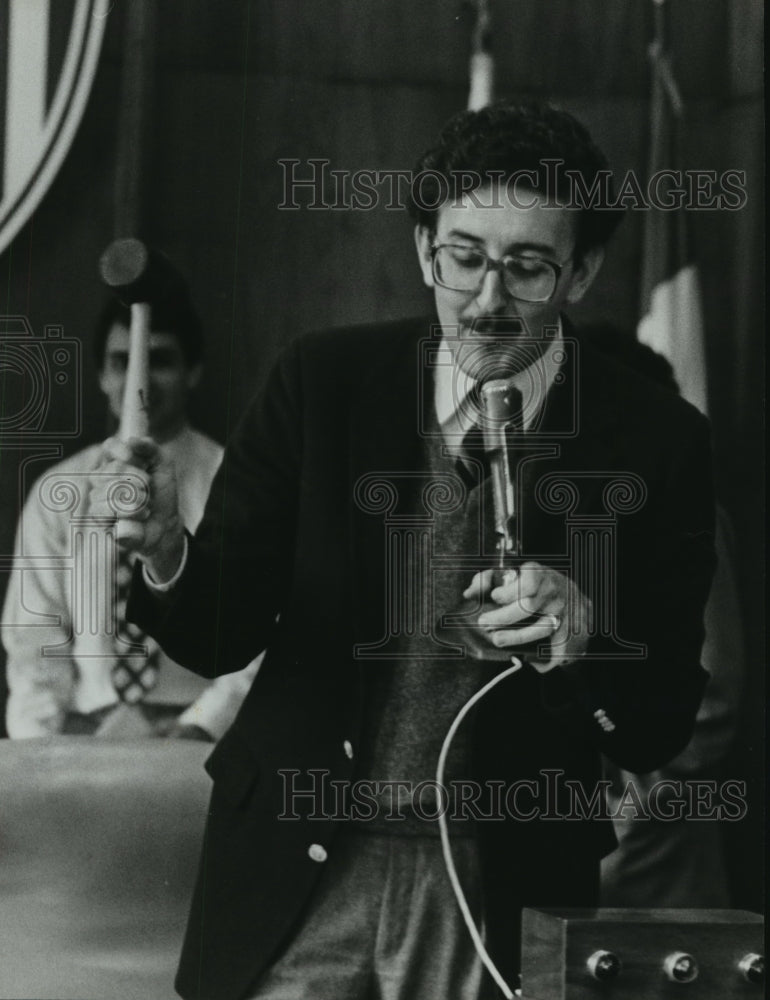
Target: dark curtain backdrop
<point>240,85</point>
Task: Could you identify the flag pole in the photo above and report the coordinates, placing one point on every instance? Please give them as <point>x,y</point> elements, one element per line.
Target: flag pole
<point>663,74</point>
<point>481,91</point>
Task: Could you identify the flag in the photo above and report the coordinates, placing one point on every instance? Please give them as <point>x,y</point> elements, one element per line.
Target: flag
<point>671,313</point>
<point>481,88</point>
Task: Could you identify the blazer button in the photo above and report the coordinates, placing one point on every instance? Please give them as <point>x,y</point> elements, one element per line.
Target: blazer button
<point>347,746</point>
<point>317,853</point>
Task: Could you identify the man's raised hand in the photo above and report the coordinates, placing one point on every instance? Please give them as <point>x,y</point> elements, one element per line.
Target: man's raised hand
<point>136,486</point>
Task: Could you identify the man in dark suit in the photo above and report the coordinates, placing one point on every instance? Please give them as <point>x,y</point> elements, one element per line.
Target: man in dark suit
<point>352,532</point>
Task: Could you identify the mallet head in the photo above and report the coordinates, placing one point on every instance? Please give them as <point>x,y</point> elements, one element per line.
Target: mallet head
<point>138,274</point>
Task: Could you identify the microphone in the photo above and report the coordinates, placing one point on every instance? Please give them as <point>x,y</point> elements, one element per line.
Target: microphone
<point>501,406</point>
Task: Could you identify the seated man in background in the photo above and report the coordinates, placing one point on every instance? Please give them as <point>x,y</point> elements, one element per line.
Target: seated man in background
<point>81,670</point>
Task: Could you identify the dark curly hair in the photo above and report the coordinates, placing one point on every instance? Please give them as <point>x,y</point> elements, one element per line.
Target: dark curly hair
<point>506,139</point>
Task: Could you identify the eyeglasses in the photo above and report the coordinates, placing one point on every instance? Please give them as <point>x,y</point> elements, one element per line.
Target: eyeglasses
<point>463,269</point>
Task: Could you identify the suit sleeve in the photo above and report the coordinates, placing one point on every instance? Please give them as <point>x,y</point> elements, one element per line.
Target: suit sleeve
<point>662,575</point>
<point>223,610</point>
<point>215,709</point>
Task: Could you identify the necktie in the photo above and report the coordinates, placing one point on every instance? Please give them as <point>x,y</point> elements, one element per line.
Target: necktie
<point>133,675</point>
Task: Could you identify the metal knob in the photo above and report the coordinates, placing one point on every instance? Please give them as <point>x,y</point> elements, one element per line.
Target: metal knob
<point>604,966</point>
<point>752,966</point>
<point>680,967</point>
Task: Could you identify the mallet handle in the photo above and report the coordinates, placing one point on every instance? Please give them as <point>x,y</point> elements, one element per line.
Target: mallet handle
<point>134,420</point>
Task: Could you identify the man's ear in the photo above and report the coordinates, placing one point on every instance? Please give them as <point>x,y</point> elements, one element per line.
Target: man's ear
<point>423,238</point>
<point>194,375</point>
<point>584,274</point>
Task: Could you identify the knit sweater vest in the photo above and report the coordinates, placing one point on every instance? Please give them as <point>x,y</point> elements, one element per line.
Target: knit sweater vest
<point>412,699</point>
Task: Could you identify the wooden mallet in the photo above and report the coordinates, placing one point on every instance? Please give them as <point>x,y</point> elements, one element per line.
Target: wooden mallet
<point>138,276</point>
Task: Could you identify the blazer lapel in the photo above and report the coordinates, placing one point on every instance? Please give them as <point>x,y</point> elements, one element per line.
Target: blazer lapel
<point>576,435</point>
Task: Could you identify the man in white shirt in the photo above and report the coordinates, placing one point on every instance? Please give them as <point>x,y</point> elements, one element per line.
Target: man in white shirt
<point>62,653</point>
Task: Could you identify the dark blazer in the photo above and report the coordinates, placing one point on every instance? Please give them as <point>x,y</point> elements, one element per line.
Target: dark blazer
<point>291,531</point>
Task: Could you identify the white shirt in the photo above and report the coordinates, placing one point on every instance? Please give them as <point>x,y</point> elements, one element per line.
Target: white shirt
<point>456,412</point>
<point>50,643</point>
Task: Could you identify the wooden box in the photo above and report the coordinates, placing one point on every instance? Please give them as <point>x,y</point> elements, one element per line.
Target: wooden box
<point>614,954</point>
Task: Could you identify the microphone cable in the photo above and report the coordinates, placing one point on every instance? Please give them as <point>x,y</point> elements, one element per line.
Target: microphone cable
<point>444,831</point>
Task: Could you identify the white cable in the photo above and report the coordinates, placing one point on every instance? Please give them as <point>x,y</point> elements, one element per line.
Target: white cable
<point>443,830</point>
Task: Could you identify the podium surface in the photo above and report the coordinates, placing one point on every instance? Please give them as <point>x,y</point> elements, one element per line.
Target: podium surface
<point>99,844</point>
